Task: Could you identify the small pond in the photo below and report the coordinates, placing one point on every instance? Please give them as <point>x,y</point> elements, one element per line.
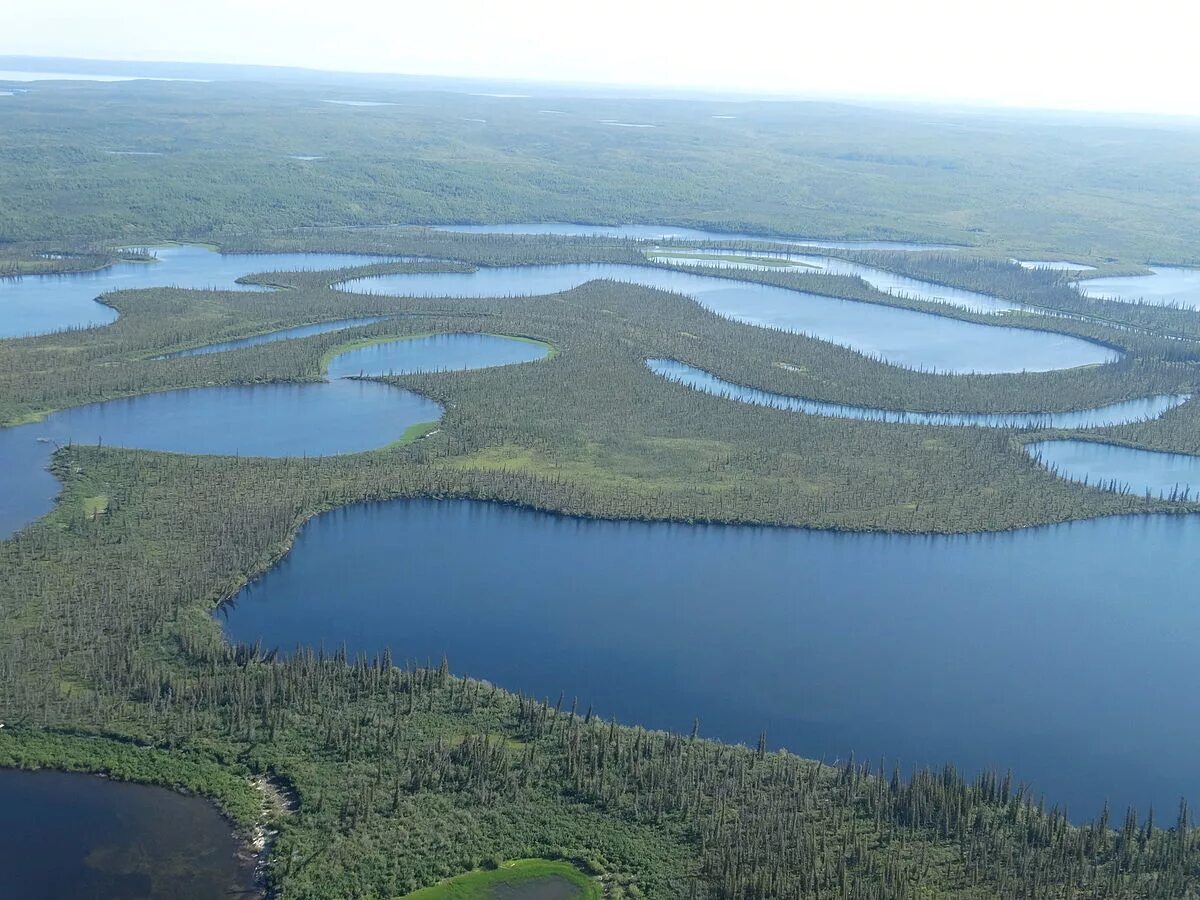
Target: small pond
<point>436,353</point>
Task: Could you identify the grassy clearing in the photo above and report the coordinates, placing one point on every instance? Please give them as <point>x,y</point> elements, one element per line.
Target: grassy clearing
<point>95,506</point>
<point>482,884</point>
<point>415,433</point>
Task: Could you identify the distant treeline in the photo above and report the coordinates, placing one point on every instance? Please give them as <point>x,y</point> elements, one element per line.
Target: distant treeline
<point>225,167</point>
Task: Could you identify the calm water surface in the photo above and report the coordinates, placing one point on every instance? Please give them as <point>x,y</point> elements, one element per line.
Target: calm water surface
<point>343,415</point>
<point>1164,475</point>
<point>1058,265</point>
<point>880,279</point>
<point>67,835</point>
<point>37,304</point>
<point>1168,286</point>
<point>284,334</point>
<point>1112,414</point>
<point>435,353</point>
<point>1067,653</point>
<point>902,337</point>
<point>665,232</point>
<point>315,419</point>
<point>360,102</point>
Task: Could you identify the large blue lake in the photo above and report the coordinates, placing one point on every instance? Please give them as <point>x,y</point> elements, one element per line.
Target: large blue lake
<point>899,336</point>
<point>78,836</point>
<point>38,304</point>
<point>1066,653</point>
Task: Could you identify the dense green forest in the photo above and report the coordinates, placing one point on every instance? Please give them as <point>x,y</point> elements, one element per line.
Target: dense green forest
<point>382,778</point>
<point>1025,183</point>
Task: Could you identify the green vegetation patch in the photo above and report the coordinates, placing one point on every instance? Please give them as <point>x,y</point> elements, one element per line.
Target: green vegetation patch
<point>519,879</point>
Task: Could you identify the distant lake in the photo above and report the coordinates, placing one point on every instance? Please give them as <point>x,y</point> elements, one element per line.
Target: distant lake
<point>664,232</point>
<point>1059,265</point>
<point>38,304</point>
<point>880,279</point>
<point>343,415</point>
<point>14,75</point>
<point>1067,653</point>
<point>282,419</point>
<point>898,336</point>
<point>1112,414</point>
<point>65,835</point>
<point>360,102</point>
<point>1167,286</point>
<point>1164,475</point>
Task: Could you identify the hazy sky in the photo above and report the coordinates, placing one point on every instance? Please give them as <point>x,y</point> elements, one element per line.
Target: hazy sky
<point>1047,53</point>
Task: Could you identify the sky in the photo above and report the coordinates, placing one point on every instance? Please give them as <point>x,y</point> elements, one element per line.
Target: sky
<point>1100,55</point>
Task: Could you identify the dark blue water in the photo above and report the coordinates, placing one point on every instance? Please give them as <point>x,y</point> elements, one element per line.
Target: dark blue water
<point>37,304</point>
<point>316,419</point>
<point>1112,414</point>
<point>899,336</point>
<point>1168,476</point>
<point>78,836</point>
<point>665,232</point>
<point>436,353</point>
<point>1167,286</point>
<point>880,279</point>
<point>285,334</point>
<point>1067,653</point>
